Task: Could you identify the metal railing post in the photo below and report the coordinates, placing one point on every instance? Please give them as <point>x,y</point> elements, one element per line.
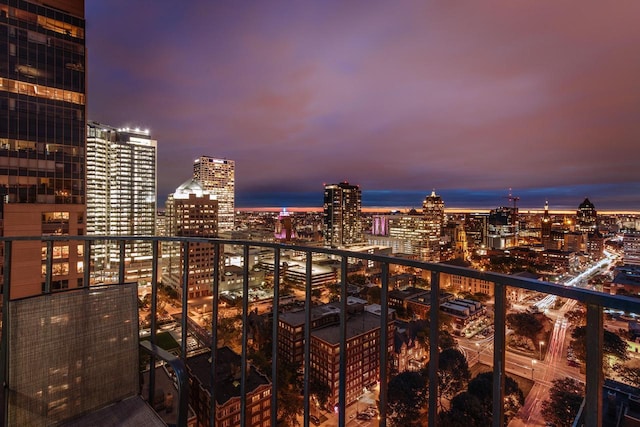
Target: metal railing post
<point>342,385</point>
<point>121,276</point>
<point>307,338</point>
<point>185,300</point>
<point>4,351</point>
<point>434,351</point>
<point>245,333</point>
<point>384,343</point>
<point>86,281</point>
<point>215,301</point>
<point>275,334</point>
<point>594,376</point>
<point>499,352</point>
<point>153,326</point>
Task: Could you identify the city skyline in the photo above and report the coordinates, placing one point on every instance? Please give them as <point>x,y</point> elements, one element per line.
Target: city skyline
<point>468,100</point>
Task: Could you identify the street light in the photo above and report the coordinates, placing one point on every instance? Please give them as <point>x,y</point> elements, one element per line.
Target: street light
<point>533,363</point>
<point>478,348</point>
<point>541,344</point>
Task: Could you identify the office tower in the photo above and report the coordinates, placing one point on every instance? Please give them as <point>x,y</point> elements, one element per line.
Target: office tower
<point>342,214</point>
<point>433,212</point>
<point>121,197</point>
<point>42,135</point>
<point>415,232</point>
<point>501,228</point>
<point>191,211</point>
<point>586,217</point>
<point>218,177</point>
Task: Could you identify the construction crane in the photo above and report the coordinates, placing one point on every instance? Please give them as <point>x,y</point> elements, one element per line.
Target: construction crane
<point>514,199</point>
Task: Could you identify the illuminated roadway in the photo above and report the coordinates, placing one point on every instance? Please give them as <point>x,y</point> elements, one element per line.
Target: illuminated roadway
<point>554,365</point>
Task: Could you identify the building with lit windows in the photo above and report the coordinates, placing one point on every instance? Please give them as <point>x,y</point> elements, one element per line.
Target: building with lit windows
<point>433,212</point>
<point>502,228</point>
<point>631,245</point>
<point>587,217</point>
<point>191,211</point>
<point>342,214</point>
<point>218,177</point>
<point>363,345</point>
<point>121,198</point>
<point>42,136</point>
<point>228,390</point>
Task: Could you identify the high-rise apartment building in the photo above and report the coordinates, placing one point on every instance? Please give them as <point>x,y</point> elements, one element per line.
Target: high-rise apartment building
<point>218,177</point>
<point>121,197</point>
<point>191,211</point>
<point>342,214</point>
<point>42,134</point>
<point>433,212</point>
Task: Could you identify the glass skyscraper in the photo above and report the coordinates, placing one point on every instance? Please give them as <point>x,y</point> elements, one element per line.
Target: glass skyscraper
<point>342,214</point>
<point>42,133</point>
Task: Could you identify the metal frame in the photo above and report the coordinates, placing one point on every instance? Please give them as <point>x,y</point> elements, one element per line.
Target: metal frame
<point>595,302</point>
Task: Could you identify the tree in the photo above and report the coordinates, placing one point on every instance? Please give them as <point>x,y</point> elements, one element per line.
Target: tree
<point>614,346</point>
<point>446,340</point>
<point>407,393</point>
<point>465,411</point>
<point>320,390</point>
<point>373,294</point>
<point>565,398</point>
<point>525,324</point>
<point>576,317</point>
<point>290,400</point>
<point>629,375</point>
<point>474,407</point>
<point>453,374</point>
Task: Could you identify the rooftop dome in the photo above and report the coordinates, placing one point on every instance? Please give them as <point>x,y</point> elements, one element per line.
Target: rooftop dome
<point>192,186</point>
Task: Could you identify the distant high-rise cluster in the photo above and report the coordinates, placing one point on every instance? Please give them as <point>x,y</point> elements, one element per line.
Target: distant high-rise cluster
<point>342,214</point>
<point>218,177</point>
<point>121,196</point>
<point>42,136</point>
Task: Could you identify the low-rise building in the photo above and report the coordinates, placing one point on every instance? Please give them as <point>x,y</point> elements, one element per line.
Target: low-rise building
<point>227,390</point>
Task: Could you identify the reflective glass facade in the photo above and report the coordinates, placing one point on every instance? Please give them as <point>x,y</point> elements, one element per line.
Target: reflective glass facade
<point>42,102</point>
<point>342,214</point>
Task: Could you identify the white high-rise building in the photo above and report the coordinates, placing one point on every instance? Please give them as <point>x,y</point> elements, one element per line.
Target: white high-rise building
<point>218,177</point>
<point>433,213</point>
<point>121,197</point>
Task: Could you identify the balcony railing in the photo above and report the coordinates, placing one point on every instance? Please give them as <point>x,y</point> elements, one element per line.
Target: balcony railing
<point>595,303</point>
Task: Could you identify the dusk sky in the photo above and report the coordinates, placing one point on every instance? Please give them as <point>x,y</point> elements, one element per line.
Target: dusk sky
<point>400,97</point>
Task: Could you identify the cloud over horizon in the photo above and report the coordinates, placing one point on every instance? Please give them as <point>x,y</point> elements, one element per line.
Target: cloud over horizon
<point>401,96</point>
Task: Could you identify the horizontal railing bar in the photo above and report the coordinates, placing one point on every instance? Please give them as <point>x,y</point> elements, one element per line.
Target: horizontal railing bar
<point>587,296</point>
